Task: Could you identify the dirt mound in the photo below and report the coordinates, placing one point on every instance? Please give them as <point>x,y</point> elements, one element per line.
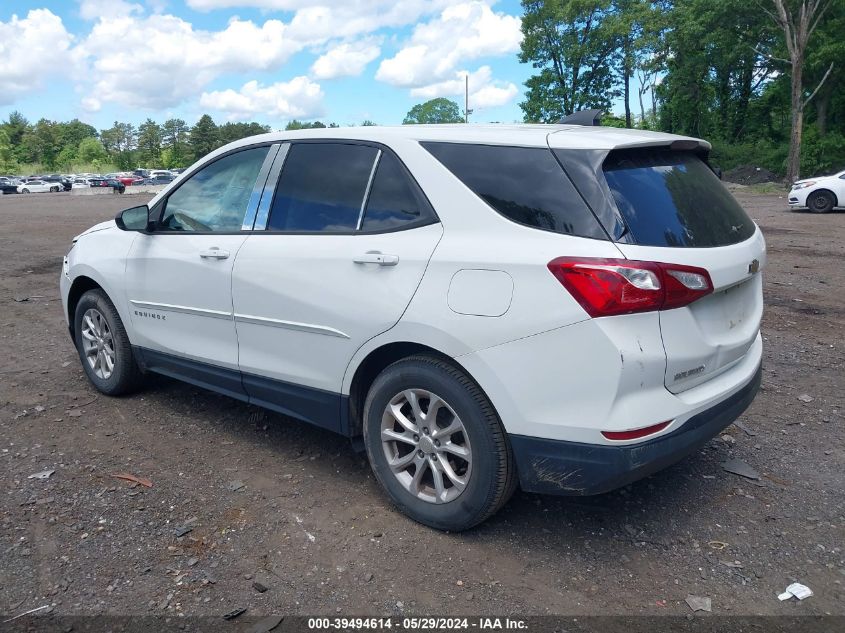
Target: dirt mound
<point>749,175</point>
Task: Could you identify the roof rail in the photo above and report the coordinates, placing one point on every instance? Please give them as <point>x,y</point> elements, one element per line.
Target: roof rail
<point>583,117</point>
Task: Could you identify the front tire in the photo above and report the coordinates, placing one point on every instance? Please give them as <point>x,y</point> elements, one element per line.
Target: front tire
<point>104,347</point>
<point>436,445</point>
<point>54,190</point>
<point>821,202</point>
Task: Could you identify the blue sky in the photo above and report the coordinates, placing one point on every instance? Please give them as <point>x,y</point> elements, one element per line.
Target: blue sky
<point>263,60</point>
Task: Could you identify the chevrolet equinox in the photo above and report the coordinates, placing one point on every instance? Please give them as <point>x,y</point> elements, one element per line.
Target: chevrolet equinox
<point>558,307</point>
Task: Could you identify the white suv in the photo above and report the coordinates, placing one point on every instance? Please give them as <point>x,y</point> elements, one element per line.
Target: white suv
<point>566,308</point>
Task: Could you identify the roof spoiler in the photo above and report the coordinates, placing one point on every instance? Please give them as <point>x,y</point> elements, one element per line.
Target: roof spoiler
<point>582,117</point>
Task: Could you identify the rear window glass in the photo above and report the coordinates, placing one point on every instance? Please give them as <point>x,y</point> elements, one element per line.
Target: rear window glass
<point>526,185</point>
<point>673,199</point>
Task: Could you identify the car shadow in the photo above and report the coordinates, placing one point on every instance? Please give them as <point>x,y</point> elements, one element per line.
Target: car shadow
<point>655,511</point>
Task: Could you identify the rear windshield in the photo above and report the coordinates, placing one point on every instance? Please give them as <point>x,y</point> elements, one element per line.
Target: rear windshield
<point>673,199</point>
<point>526,185</point>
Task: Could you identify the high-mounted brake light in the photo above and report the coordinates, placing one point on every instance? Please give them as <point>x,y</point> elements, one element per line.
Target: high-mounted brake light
<point>607,287</point>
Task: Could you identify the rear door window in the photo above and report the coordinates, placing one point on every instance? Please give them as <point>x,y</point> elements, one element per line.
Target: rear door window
<point>525,184</point>
<point>673,199</point>
<point>322,188</point>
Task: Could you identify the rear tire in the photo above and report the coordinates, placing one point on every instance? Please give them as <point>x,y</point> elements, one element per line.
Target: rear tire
<point>450,472</point>
<point>821,201</point>
<point>104,347</point>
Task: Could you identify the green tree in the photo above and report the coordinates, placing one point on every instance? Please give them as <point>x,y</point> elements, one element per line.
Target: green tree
<point>304,125</point>
<point>574,46</point>
<point>15,128</point>
<point>8,163</point>
<point>715,61</point>
<point>120,142</point>
<point>72,133</point>
<point>43,143</point>
<point>440,110</point>
<point>67,156</point>
<point>175,140</point>
<point>149,143</point>
<point>798,21</point>
<point>636,26</point>
<point>828,48</point>
<point>204,137</point>
<point>229,132</point>
<point>368,123</point>
<point>91,151</point>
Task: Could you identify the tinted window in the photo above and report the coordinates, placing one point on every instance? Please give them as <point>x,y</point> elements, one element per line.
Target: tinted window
<point>321,188</point>
<point>673,199</point>
<point>394,199</point>
<point>215,198</point>
<point>526,185</point>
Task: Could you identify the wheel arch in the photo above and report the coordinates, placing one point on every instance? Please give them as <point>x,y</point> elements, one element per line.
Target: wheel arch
<point>79,287</point>
<point>376,361</point>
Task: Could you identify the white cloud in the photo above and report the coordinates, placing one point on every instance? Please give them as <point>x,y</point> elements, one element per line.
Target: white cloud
<point>91,104</point>
<point>345,60</point>
<point>298,98</point>
<point>333,19</point>
<point>484,91</point>
<point>32,51</point>
<point>93,9</point>
<point>461,32</point>
<point>160,60</point>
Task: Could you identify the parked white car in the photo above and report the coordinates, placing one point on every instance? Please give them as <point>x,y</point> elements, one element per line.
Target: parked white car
<point>39,186</point>
<point>161,172</point>
<point>565,308</point>
<point>819,195</point>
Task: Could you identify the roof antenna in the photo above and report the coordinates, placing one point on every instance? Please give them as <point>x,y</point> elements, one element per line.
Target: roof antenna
<point>582,117</point>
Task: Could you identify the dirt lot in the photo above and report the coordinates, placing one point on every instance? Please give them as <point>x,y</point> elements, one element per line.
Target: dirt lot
<point>310,524</point>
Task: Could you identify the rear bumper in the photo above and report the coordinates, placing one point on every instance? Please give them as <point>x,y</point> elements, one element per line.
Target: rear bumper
<point>573,468</point>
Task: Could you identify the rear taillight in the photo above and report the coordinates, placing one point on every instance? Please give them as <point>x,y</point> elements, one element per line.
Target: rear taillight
<point>606,287</point>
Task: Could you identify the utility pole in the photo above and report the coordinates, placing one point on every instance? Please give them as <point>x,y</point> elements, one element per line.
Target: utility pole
<point>467,111</point>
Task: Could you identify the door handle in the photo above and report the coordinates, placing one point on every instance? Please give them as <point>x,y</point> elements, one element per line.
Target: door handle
<point>214,253</point>
<point>376,257</point>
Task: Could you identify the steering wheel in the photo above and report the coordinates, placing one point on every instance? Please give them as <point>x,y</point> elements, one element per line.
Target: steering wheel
<point>190,222</point>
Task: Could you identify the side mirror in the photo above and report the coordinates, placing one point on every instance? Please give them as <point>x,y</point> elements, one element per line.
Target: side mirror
<point>134,219</point>
<point>717,171</point>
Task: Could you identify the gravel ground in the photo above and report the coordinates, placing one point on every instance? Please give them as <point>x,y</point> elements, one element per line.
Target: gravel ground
<point>250,509</point>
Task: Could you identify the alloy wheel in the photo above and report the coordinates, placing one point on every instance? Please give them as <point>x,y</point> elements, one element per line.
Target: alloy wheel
<point>98,343</point>
<point>426,446</point>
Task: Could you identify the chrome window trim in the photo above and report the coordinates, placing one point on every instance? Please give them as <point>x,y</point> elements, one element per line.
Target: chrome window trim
<point>269,188</point>
<point>376,161</point>
<point>258,188</point>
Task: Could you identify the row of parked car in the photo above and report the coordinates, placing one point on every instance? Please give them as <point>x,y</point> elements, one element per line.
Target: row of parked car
<point>65,182</point>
